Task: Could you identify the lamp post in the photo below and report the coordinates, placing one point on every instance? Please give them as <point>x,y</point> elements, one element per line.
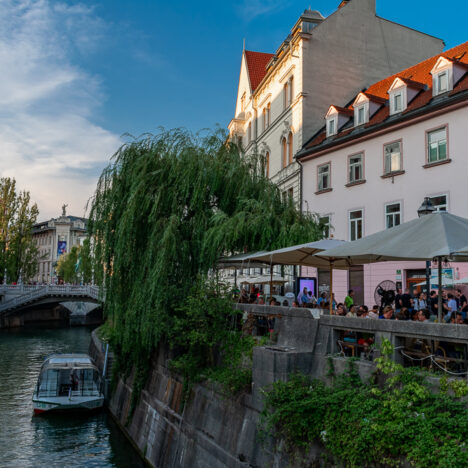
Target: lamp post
<point>427,208</point>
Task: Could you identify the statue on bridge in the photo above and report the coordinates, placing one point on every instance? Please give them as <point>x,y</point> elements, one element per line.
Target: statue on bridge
<point>64,210</point>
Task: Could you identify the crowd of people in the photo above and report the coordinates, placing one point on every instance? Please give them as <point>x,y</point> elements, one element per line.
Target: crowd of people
<point>406,306</point>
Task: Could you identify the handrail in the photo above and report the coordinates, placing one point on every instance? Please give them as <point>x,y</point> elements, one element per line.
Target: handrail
<point>29,293</point>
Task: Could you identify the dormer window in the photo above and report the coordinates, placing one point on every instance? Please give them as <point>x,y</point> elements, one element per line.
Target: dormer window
<point>402,92</point>
<point>336,117</point>
<point>446,74</point>
<point>442,82</point>
<point>360,115</point>
<point>398,102</point>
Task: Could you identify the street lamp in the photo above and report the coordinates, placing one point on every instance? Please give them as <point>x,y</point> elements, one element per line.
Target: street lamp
<point>425,209</point>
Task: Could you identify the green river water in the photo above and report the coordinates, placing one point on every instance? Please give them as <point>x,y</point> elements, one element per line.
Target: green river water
<point>62,440</point>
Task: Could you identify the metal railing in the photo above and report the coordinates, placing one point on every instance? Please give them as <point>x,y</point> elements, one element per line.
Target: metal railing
<point>29,293</point>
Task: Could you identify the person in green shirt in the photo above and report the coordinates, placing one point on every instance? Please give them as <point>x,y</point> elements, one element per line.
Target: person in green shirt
<point>349,301</point>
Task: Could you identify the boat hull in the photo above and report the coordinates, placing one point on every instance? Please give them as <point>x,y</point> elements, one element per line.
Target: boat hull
<point>63,404</point>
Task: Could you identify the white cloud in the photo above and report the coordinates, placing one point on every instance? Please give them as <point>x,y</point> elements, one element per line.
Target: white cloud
<point>250,9</point>
<point>48,141</point>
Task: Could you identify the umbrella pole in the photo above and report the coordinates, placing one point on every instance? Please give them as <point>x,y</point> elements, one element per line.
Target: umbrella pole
<point>271,280</point>
<point>439,298</point>
<point>330,299</point>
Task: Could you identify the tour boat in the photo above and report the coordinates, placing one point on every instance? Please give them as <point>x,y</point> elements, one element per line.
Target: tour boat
<point>68,382</point>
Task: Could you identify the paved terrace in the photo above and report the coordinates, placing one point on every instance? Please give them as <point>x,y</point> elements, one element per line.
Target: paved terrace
<point>304,343</point>
<point>17,297</point>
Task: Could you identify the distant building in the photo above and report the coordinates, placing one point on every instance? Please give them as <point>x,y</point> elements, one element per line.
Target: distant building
<point>282,97</point>
<point>371,166</point>
<point>54,238</point>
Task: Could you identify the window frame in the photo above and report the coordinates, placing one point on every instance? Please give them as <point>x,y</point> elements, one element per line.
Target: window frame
<point>290,148</point>
<point>350,223</point>
<point>351,156</point>
<point>323,189</point>
<point>447,154</point>
<point>285,95</point>
<point>284,151</point>
<point>439,75</point>
<point>437,195</point>
<point>364,107</point>
<point>327,225</point>
<point>332,120</point>
<point>399,213</point>
<point>400,170</point>
<point>267,164</point>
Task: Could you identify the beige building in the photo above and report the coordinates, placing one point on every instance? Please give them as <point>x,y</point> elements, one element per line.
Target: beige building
<point>53,238</point>
<point>282,97</point>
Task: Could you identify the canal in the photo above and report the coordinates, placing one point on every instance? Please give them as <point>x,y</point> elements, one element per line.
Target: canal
<point>62,440</point>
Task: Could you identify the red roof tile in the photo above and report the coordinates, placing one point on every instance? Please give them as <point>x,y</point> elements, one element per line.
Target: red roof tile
<point>256,66</point>
<point>419,75</point>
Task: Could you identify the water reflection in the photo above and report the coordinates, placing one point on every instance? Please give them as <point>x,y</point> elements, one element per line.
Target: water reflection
<point>55,440</point>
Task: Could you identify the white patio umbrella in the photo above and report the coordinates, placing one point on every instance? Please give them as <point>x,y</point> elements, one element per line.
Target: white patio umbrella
<point>439,235</point>
<point>303,255</point>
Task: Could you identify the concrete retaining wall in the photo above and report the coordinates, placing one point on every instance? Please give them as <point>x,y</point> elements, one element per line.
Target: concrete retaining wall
<point>213,431</point>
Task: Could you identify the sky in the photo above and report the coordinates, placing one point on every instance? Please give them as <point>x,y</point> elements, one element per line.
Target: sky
<point>78,78</point>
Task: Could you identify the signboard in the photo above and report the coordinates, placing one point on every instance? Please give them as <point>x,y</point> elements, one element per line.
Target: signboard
<point>61,248</point>
<point>309,283</point>
<point>447,277</point>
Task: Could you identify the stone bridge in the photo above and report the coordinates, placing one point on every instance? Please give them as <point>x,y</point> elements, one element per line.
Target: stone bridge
<point>19,297</point>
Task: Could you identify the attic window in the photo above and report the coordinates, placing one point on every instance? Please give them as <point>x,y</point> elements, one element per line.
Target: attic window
<point>442,82</point>
<point>360,115</point>
<point>398,100</point>
<point>331,126</point>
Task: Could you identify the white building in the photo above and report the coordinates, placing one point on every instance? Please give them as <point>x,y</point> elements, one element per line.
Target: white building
<point>282,97</point>
<point>53,238</point>
<point>370,167</point>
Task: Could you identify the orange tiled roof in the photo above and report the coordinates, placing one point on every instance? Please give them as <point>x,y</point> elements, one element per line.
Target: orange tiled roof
<point>419,75</point>
<point>256,66</point>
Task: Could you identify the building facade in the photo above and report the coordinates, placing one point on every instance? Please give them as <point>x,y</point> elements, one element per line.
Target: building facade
<point>374,162</point>
<point>282,97</point>
<point>54,238</point>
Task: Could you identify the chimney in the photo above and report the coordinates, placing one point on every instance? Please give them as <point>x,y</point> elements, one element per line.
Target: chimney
<point>343,3</point>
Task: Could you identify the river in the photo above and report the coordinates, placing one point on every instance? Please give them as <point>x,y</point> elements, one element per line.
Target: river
<point>61,440</point>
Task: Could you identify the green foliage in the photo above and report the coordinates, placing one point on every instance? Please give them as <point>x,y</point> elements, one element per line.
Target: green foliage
<point>67,269</point>
<point>363,425</point>
<point>76,265</point>
<point>164,211</point>
<point>18,252</point>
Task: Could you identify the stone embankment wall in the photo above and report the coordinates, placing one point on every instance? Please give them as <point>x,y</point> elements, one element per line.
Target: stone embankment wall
<point>213,431</point>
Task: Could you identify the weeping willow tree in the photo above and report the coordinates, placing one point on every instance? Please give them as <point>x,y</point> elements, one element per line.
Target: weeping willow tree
<point>165,209</point>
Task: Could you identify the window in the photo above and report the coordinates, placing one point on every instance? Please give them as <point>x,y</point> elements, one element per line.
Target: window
<point>291,193</point>
<point>264,119</point>
<point>249,133</point>
<point>442,82</point>
<point>355,225</point>
<point>360,115</point>
<point>268,114</point>
<point>290,148</point>
<point>325,225</point>
<point>291,90</point>
<point>439,202</point>
<point>284,151</point>
<point>285,95</point>
<point>392,215</point>
<point>267,164</point>
<point>437,145</point>
<point>398,102</point>
<point>331,127</point>
<point>324,177</point>
<point>356,168</point>
<point>392,157</point>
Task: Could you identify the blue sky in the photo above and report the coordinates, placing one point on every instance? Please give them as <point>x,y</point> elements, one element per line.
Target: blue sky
<point>78,75</point>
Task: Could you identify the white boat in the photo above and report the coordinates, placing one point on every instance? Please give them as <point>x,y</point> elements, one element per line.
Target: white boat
<point>68,382</point>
